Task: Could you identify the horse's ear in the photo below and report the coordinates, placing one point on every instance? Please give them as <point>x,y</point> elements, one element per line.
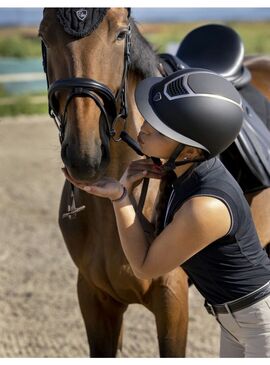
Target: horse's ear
<point>129,11</point>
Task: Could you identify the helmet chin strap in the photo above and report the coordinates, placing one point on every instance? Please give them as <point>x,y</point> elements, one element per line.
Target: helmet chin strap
<point>171,164</point>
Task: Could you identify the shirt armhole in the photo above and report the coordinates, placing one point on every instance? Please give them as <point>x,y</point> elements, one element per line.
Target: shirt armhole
<point>224,201</point>
<point>227,201</point>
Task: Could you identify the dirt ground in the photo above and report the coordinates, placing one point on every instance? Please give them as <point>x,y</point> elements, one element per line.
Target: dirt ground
<point>39,312</point>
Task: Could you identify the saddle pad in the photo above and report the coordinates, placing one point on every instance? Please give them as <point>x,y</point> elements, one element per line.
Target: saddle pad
<point>258,101</point>
<point>253,143</point>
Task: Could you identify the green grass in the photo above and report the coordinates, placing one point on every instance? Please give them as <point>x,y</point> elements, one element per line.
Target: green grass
<point>22,107</point>
<point>167,33</point>
<point>2,92</point>
<point>19,46</point>
<point>12,105</point>
<point>255,35</point>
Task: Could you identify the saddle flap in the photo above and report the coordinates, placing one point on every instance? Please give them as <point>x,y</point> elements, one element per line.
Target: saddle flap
<point>253,144</point>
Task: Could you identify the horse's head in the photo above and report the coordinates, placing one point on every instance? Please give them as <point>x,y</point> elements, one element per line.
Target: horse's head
<point>85,58</point>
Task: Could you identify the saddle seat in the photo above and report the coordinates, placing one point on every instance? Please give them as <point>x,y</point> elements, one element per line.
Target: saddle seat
<point>217,48</point>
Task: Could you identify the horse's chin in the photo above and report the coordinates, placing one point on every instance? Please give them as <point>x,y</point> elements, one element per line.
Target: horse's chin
<point>85,177</point>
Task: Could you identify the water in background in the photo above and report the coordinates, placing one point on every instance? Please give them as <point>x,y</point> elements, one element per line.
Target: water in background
<point>25,87</point>
<point>11,66</point>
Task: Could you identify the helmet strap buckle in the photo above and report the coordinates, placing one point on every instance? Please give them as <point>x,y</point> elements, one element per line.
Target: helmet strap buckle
<point>170,164</point>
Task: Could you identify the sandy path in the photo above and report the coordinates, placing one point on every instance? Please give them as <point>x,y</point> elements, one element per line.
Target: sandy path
<point>39,313</point>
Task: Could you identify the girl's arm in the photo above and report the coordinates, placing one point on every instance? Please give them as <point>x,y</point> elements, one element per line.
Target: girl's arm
<point>199,222</point>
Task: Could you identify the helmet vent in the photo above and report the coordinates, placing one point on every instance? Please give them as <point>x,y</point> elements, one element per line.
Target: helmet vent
<point>176,88</point>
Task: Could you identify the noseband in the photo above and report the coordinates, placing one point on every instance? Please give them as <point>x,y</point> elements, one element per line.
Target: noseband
<point>100,93</point>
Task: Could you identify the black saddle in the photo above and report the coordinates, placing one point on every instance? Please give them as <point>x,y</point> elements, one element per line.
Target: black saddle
<point>220,49</point>
<point>217,48</point>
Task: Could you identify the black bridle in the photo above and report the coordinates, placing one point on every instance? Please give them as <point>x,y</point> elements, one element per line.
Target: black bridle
<point>100,93</point>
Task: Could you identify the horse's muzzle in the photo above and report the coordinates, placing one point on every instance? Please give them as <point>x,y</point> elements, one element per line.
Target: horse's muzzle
<point>85,177</point>
<point>84,167</point>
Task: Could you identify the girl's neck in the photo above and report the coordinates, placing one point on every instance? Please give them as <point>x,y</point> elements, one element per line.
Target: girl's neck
<point>180,170</point>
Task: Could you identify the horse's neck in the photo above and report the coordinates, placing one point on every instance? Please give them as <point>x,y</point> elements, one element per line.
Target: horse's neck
<point>259,66</point>
<point>135,119</point>
<point>121,153</point>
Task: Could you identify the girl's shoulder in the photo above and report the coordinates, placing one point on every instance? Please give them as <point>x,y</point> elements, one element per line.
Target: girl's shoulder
<point>211,179</point>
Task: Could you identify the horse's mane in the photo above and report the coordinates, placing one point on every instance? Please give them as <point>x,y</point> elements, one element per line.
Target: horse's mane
<point>144,60</point>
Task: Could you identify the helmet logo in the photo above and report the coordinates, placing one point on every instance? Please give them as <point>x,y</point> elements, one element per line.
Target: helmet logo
<point>157,96</point>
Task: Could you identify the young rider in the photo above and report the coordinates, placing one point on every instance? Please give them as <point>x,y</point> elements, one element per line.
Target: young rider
<point>205,224</point>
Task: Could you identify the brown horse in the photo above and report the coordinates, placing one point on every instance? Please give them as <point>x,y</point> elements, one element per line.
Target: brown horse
<point>259,66</point>
<point>106,284</point>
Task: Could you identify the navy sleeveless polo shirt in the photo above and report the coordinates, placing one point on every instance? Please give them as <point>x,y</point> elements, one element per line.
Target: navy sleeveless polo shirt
<point>235,264</point>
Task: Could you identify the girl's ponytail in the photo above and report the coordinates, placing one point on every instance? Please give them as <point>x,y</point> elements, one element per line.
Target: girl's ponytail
<point>165,190</point>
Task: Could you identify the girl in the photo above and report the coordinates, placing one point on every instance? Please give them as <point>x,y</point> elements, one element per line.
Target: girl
<point>204,222</point>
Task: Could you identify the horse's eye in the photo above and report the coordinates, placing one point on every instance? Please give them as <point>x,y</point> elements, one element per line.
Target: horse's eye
<point>121,35</point>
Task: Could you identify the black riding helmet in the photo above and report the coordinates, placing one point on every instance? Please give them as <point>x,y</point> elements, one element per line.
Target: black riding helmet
<point>195,107</point>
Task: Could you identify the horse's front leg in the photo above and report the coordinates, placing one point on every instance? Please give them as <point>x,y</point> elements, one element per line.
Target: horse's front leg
<point>168,300</point>
<point>103,318</point>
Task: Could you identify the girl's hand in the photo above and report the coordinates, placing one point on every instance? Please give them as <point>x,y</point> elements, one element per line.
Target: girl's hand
<point>105,188</point>
<point>139,169</point>
<point>112,189</point>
